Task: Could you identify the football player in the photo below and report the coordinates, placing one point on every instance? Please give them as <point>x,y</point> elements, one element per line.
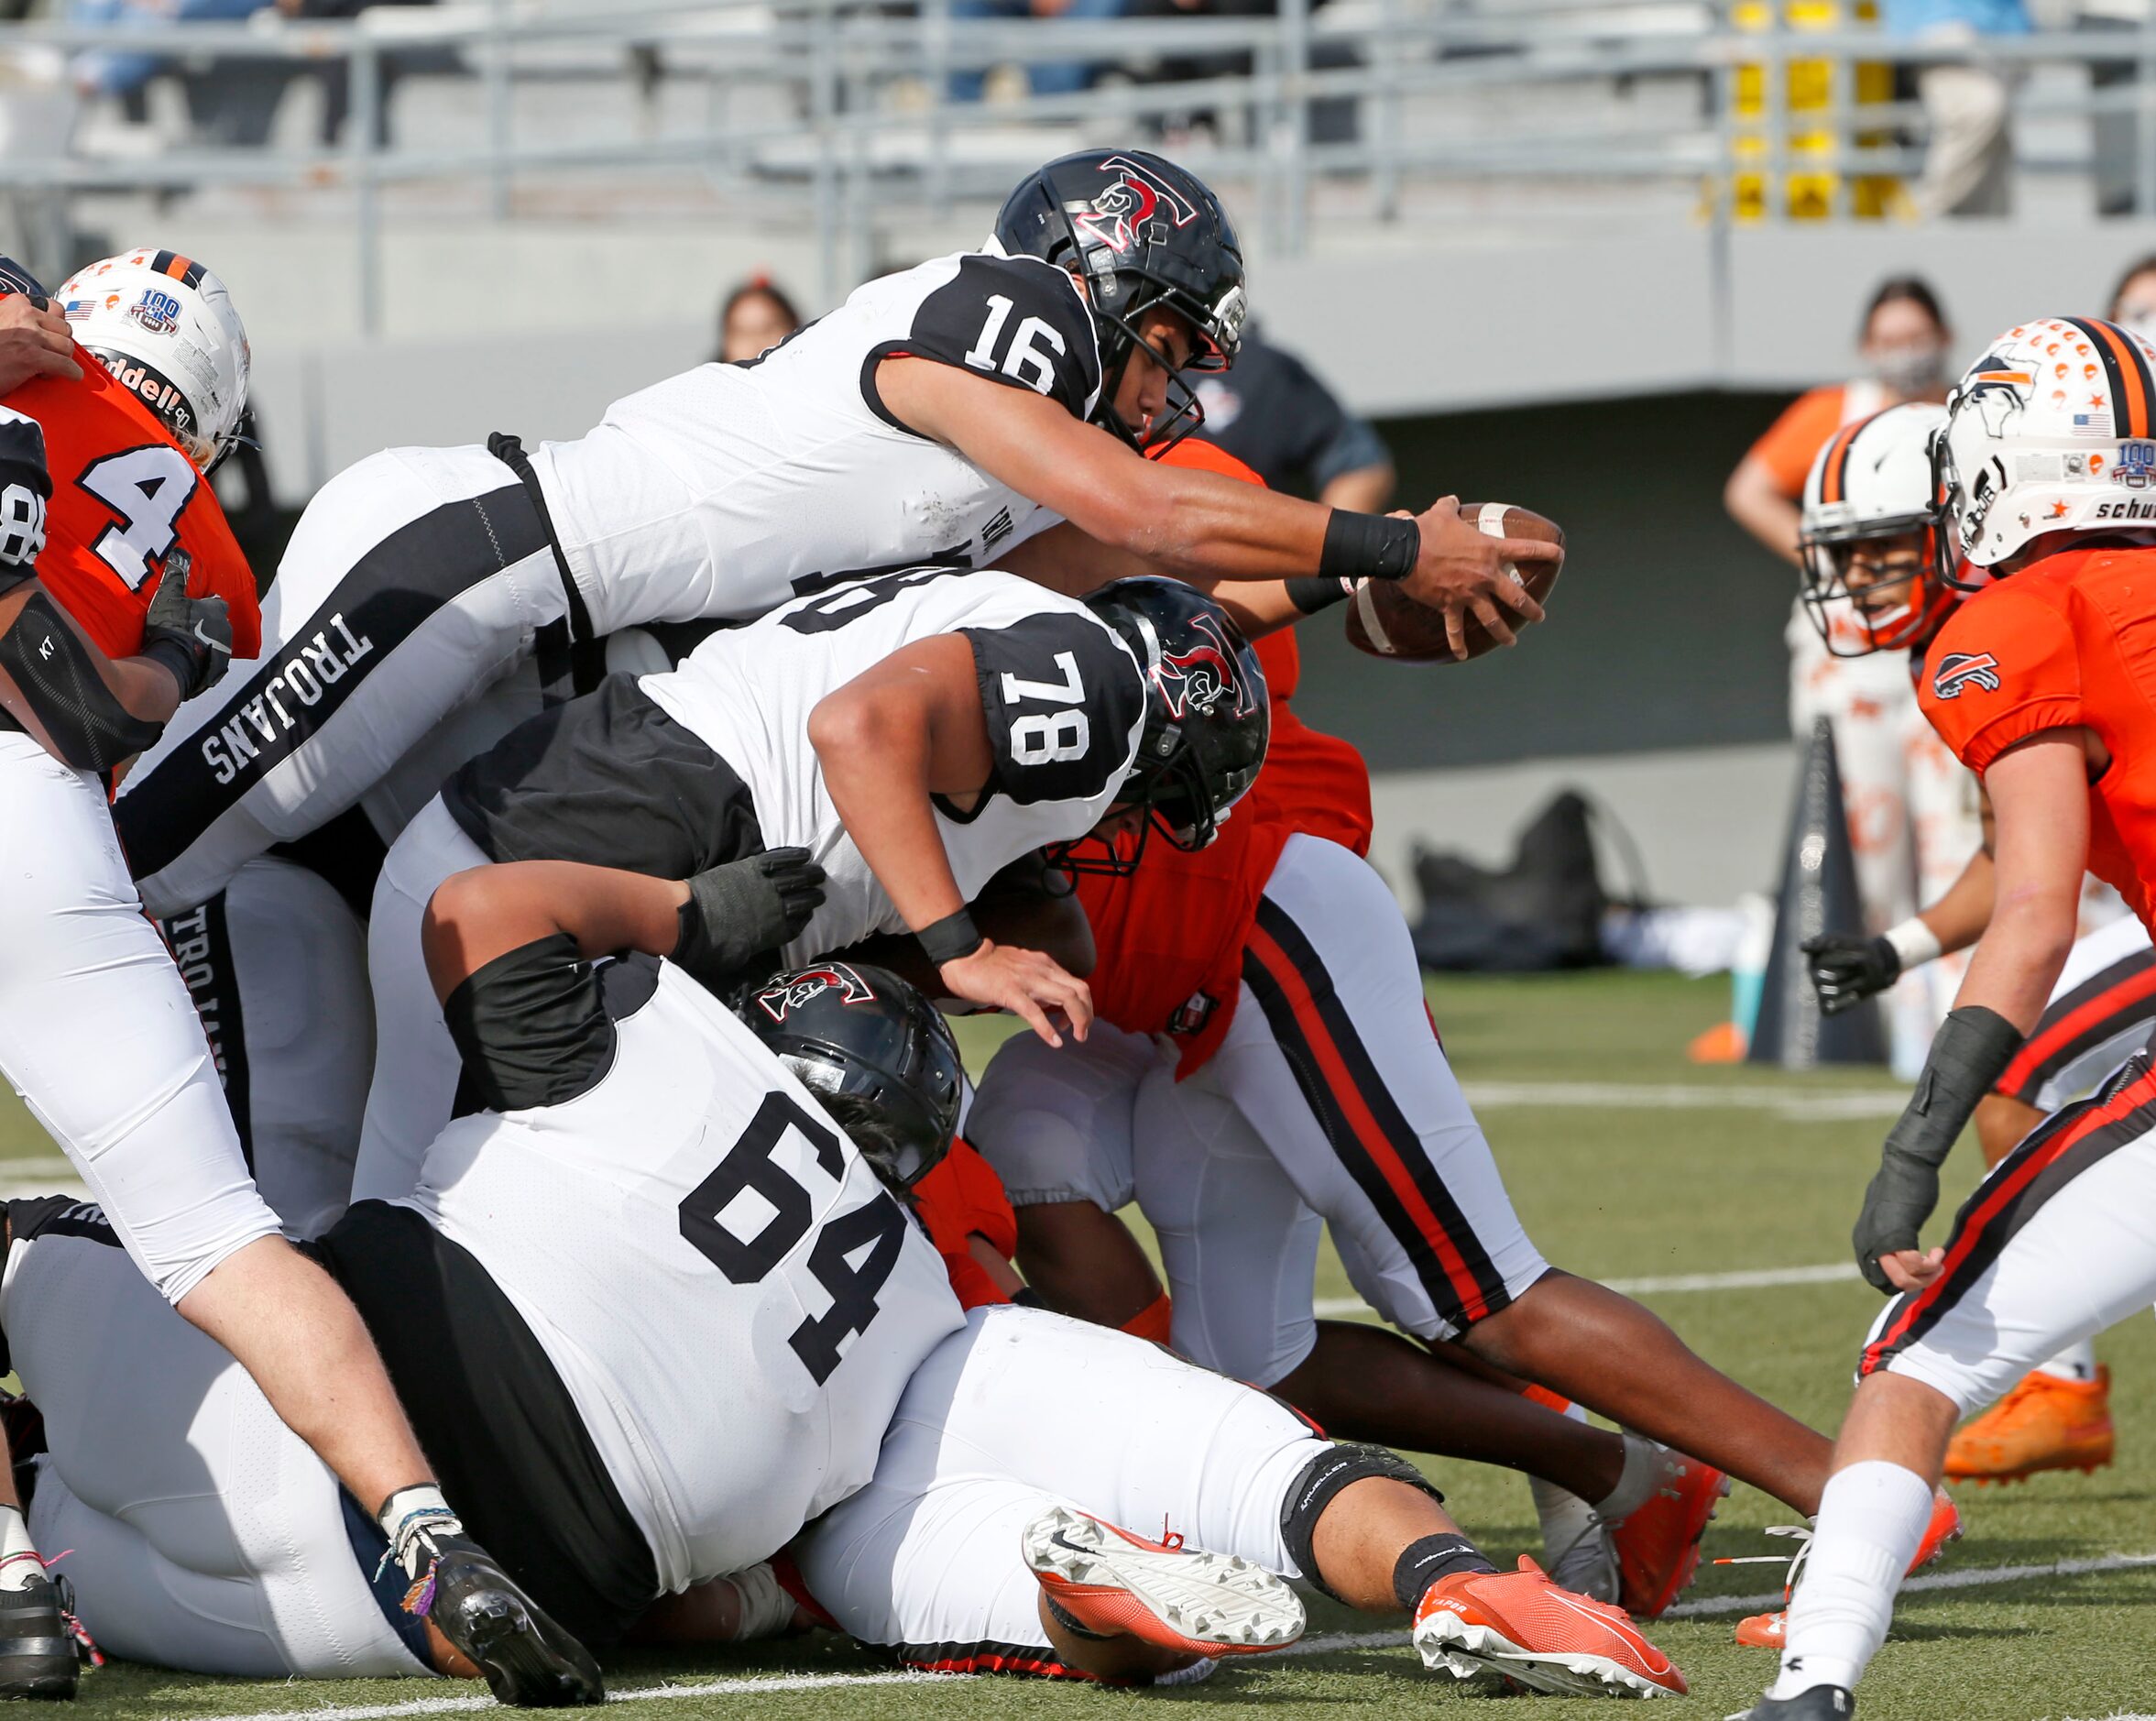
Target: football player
<point>106,517</point>
<point>2039,684</point>
<point>633,1382</point>
<point>1304,1087</point>
<point>859,761</point>
<point>1873,557</point>
<point>952,414</point>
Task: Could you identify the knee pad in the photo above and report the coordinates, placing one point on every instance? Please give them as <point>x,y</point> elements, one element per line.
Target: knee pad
<point>59,678</point>
<point>1323,1477</point>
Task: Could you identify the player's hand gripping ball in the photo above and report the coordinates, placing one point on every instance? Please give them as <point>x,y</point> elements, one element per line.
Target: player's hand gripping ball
<point>1384,622</point>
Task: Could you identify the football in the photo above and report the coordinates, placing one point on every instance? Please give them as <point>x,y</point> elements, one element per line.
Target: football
<point>1384,622</point>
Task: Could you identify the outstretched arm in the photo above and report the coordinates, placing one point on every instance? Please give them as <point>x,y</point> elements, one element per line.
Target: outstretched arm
<point>476,916</point>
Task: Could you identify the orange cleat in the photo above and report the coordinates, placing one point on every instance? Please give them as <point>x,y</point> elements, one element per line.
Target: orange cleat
<point>1659,1543</point>
<point>1520,1627</point>
<point>2045,1423</point>
<point>1770,1631</point>
<point>1118,1585</point>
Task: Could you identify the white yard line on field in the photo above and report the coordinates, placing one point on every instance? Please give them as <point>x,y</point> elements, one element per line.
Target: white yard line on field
<point>1331,1644</point>
<point>1747,1279</point>
<point>1803,1105</point>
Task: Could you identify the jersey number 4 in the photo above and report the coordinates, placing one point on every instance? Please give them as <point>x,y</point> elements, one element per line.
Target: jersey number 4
<point>878,1227</point>
<point>147,487</point>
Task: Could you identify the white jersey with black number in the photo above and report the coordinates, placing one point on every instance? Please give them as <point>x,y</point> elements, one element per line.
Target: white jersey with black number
<point>25,485</point>
<point>732,1300</point>
<point>1064,698</point>
<point>733,487</point>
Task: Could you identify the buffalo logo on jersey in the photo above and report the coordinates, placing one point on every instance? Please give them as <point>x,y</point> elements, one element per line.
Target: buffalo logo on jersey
<point>1204,678</point>
<point>800,990</point>
<point>1966,669</point>
<point>1116,215</point>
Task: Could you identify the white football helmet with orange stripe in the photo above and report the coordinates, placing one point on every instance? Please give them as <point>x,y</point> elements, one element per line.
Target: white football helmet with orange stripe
<point>164,326</point>
<point>2053,430</point>
<point>1865,544</point>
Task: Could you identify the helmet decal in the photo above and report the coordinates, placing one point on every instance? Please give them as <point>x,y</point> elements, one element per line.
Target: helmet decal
<point>796,989</point>
<point>1118,212</point>
<point>1202,678</point>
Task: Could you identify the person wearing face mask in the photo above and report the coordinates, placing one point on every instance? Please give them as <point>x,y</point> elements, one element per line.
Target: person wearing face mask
<point>1912,820</point>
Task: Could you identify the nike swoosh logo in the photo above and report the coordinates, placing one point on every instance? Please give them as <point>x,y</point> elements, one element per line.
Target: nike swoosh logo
<point>215,645</point>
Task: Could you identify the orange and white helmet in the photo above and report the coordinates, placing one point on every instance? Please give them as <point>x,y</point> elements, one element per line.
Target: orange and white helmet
<point>2053,430</point>
<point>1871,483</point>
<point>164,326</point>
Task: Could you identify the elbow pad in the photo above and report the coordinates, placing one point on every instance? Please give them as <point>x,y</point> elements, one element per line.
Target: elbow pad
<point>91,728</point>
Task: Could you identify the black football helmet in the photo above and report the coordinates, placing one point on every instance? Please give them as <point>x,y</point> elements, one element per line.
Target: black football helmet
<point>877,1052</point>
<point>16,278</point>
<point>1140,232</point>
<point>1208,717</point>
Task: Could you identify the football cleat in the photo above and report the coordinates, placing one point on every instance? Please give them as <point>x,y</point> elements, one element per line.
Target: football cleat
<point>1822,1703</point>
<point>526,1659</point>
<point>1114,1584</point>
<point>1519,1626</point>
<point>1770,1631</point>
<point>1578,1550</point>
<point>1659,1542</point>
<point>2044,1423</point>
<point>37,1652</point>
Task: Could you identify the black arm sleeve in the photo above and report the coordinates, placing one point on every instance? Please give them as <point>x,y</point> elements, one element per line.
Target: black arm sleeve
<point>531,1027</point>
<point>1063,699</point>
<point>1015,319</point>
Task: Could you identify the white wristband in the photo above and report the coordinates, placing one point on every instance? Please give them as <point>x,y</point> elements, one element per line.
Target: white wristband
<point>1914,943</point>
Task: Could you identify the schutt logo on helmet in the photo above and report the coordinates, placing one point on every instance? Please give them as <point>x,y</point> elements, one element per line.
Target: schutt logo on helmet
<point>802,989</point>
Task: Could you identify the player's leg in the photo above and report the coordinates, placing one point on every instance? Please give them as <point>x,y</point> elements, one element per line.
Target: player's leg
<point>202,1534</point>
<point>416,1068</point>
<point>98,1034</point>
<point>413,580</point>
<point>2057,1244</point>
<point>277,967</point>
<point>1333,1061</point>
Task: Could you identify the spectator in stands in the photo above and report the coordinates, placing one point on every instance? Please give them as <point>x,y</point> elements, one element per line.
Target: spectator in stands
<point>1058,77</point>
<point>2133,301</point>
<point>1890,761</point>
<point>107,72</point>
<point>755,318</point>
<point>1968,166</point>
<point>1272,414</point>
<point>336,75</point>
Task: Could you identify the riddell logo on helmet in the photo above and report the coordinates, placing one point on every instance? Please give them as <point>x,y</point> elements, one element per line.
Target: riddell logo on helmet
<point>779,1001</point>
<point>1120,212</point>
<point>1205,676</point>
<point>154,392</point>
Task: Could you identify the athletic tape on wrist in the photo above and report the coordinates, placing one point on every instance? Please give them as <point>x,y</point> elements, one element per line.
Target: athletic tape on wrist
<point>949,939</point>
<point>1313,592</point>
<point>1914,943</point>
<point>1336,1467</point>
<point>1969,1054</point>
<point>1369,546</point>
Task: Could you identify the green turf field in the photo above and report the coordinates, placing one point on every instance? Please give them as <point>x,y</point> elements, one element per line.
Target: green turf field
<point>1627,1163</point>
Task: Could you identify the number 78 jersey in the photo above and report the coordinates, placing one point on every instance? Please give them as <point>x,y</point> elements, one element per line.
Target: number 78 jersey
<point>124,496</point>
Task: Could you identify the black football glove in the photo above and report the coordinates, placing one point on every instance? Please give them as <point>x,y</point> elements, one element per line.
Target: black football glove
<point>1846,971</point>
<point>191,636</point>
<point>745,909</point>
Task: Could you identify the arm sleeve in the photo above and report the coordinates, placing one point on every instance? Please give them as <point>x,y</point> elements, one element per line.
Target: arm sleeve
<point>26,487</point>
<point>531,1027</point>
<point>2005,668</point>
<point>1063,699</point>
<point>1796,437</point>
<point>1015,319</point>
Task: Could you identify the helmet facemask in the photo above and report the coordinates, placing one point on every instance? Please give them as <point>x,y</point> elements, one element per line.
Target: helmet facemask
<point>1896,604</point>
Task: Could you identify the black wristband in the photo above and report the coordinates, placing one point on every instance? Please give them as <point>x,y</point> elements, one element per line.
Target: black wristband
<point>1369,546</point>
<point>183,663</point>
<point>1314,592</point>
<point>1969,1054</point>
<point>947,940</point>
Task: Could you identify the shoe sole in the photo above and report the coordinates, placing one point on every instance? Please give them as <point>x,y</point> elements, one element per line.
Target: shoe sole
<point>528,1660</point>
<point>1471,1651</point>
<point>42,1676</point>
<point>2088,1463</point>
<point>1209,1604</point>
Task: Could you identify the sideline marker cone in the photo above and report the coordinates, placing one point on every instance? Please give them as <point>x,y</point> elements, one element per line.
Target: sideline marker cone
<point>1818,895</point>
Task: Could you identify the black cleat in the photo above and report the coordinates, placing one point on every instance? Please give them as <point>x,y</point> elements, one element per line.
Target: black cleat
<point>36,1651</point>
<point>526,1659</point>
<point>1822,1703</point>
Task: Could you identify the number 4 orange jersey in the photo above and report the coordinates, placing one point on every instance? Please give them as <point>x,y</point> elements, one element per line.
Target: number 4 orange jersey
<point>123,495</point>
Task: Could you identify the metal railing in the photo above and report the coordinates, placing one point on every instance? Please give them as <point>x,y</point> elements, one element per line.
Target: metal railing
<point>838,115</point>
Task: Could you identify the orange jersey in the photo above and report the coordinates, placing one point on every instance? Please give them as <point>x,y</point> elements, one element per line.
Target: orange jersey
<point>1170,938</point>
<point>2064,643</point>
<point>1793,441</point>
<point>123,495</point>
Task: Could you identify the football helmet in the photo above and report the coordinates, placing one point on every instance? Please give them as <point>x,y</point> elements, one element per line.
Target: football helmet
<point>878,1054</point>
<point>1870,485</point>
<point>16,278</point>
<point>2053,430</point>
<point>1208,717</point>
<point>1140,233</point>
<point>164,326</point>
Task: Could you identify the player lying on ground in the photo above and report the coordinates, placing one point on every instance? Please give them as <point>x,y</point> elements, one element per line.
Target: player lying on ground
<point>910,736</point>
<point>103,515</point>
<point>1867,555</point>
<point>1302,1086</point>
<point>946,414</point>
<point>2039,684</point>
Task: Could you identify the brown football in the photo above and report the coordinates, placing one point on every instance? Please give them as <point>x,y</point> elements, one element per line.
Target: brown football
<point>1385,622</point>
